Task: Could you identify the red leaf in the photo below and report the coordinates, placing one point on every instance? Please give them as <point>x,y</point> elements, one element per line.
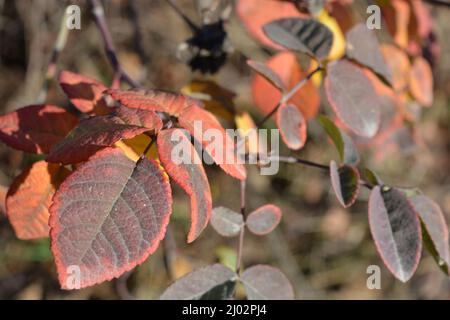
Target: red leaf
<point>188,172</point>
<point>396,231</point>
<point>256,13</point>
<point>107,217</point>
<point>292,126</point>
<point>154,100</point>
<point>95,133</point>
<point>264,219</point>
<point>85,93</point>
<point>285,65</point>
<point>345,182</point>
<point>222,151</point>
<point>29,198</point>
<point>353,98</point>
<point>36,128</point>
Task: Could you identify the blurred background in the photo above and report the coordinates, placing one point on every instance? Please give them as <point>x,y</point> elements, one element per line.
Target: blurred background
<point>323,249</point>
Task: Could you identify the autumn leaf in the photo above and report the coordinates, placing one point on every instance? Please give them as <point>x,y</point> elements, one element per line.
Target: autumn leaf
<point>107,217</point>
<point>292,126</point>
<point>396,231</point>
<point>36,128</point>
<point>399,65</point>
<point>187,171</point>
<point>353,98</point>
<point>421,82</point>
<point>345,183</point>
<point>285,65</point>
<point>226,222</point>
<point>97,132</point>
<point>29,198</point>
<point>263,220</point>
<point>85,93</point>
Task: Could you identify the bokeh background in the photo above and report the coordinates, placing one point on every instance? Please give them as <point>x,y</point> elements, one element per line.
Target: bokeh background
<point>323,249</point>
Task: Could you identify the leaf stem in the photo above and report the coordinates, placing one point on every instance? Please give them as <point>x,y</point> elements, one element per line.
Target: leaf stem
<point>99,15</point>
<point>287,96</point>
<point>240,245</point>
<point>185,18</point>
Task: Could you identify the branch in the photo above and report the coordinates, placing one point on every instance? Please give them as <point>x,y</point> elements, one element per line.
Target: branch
<point>194,28</point>
<point>99,14</point>
<point>242,233</point>
<point>287,96</point>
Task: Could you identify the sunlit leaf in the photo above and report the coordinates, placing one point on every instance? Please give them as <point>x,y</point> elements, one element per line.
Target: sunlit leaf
<point>264,219</point>
<point>36,128</point>
<point>184,166</point>
<point>264,282</point>
<point>353,98</point>
<point>226,222</point>
<point>213,282</point>
<point>396,231</point>
<point>108,216</point>
<point>338,47</point>
<point>30,196</point>
<point>97,132</point>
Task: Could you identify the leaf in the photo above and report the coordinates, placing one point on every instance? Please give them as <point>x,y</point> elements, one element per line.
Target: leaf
<point>344,144</point>
<point>363,47</point>
<point>264,282</point>
<point>353,98</point>
<point>264,219</point>
<point>85,93</point>
<point>338,47</point>
<point>421,82</point>
<point>213,282</point>
<point>372,177</point>
<point>226,222</point>
<point>30,196</point>
<point>286,66</point>
<point>188,111</point>
<point>345,183</point>
<point>292,126</point>
<point>305,35</point>
<point>220,146</point>
<point>217,100</point>
<point>36,128</point>
<point>268,74</point>
<point>184,166</point>
<point>396,231</point>
<point>97,132</point>
<point>399,65</point>
<point>108,216</point>
<point>249,132</point>
<point>256,13</point>
<point>434,229</point>
<point>154,100</point>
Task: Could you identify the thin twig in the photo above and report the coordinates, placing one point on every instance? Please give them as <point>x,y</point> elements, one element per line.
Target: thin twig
<point>286,97</point>
<point>240,245</point>
<point>99,14</point>
<point>60,43</point>
<point>194,28</point>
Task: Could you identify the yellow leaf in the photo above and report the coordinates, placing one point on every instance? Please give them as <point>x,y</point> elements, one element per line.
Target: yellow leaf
<point>338,48</point>
<point>133,148</point>
<point>247,129</point>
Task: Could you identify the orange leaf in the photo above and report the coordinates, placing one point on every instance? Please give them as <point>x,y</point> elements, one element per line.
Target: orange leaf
<point>399,65</point>
<point>285,65</point>
<point>29,198</point>
<point>189,174</point>
<point>421,82</point>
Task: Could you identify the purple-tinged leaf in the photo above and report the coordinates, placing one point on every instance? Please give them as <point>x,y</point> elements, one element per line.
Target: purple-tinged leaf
<point>213,282</point>
<point>226,222</point>
<point>305,35</point>
<point>395,228</point>
<point>292,126</point>
<point>264,219</point>
<point>353,98</point>
<point>263,70</point>
<point>434,229</point>
<point>345,183</point>
<point>364,48</point>
<point>264,282</point>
